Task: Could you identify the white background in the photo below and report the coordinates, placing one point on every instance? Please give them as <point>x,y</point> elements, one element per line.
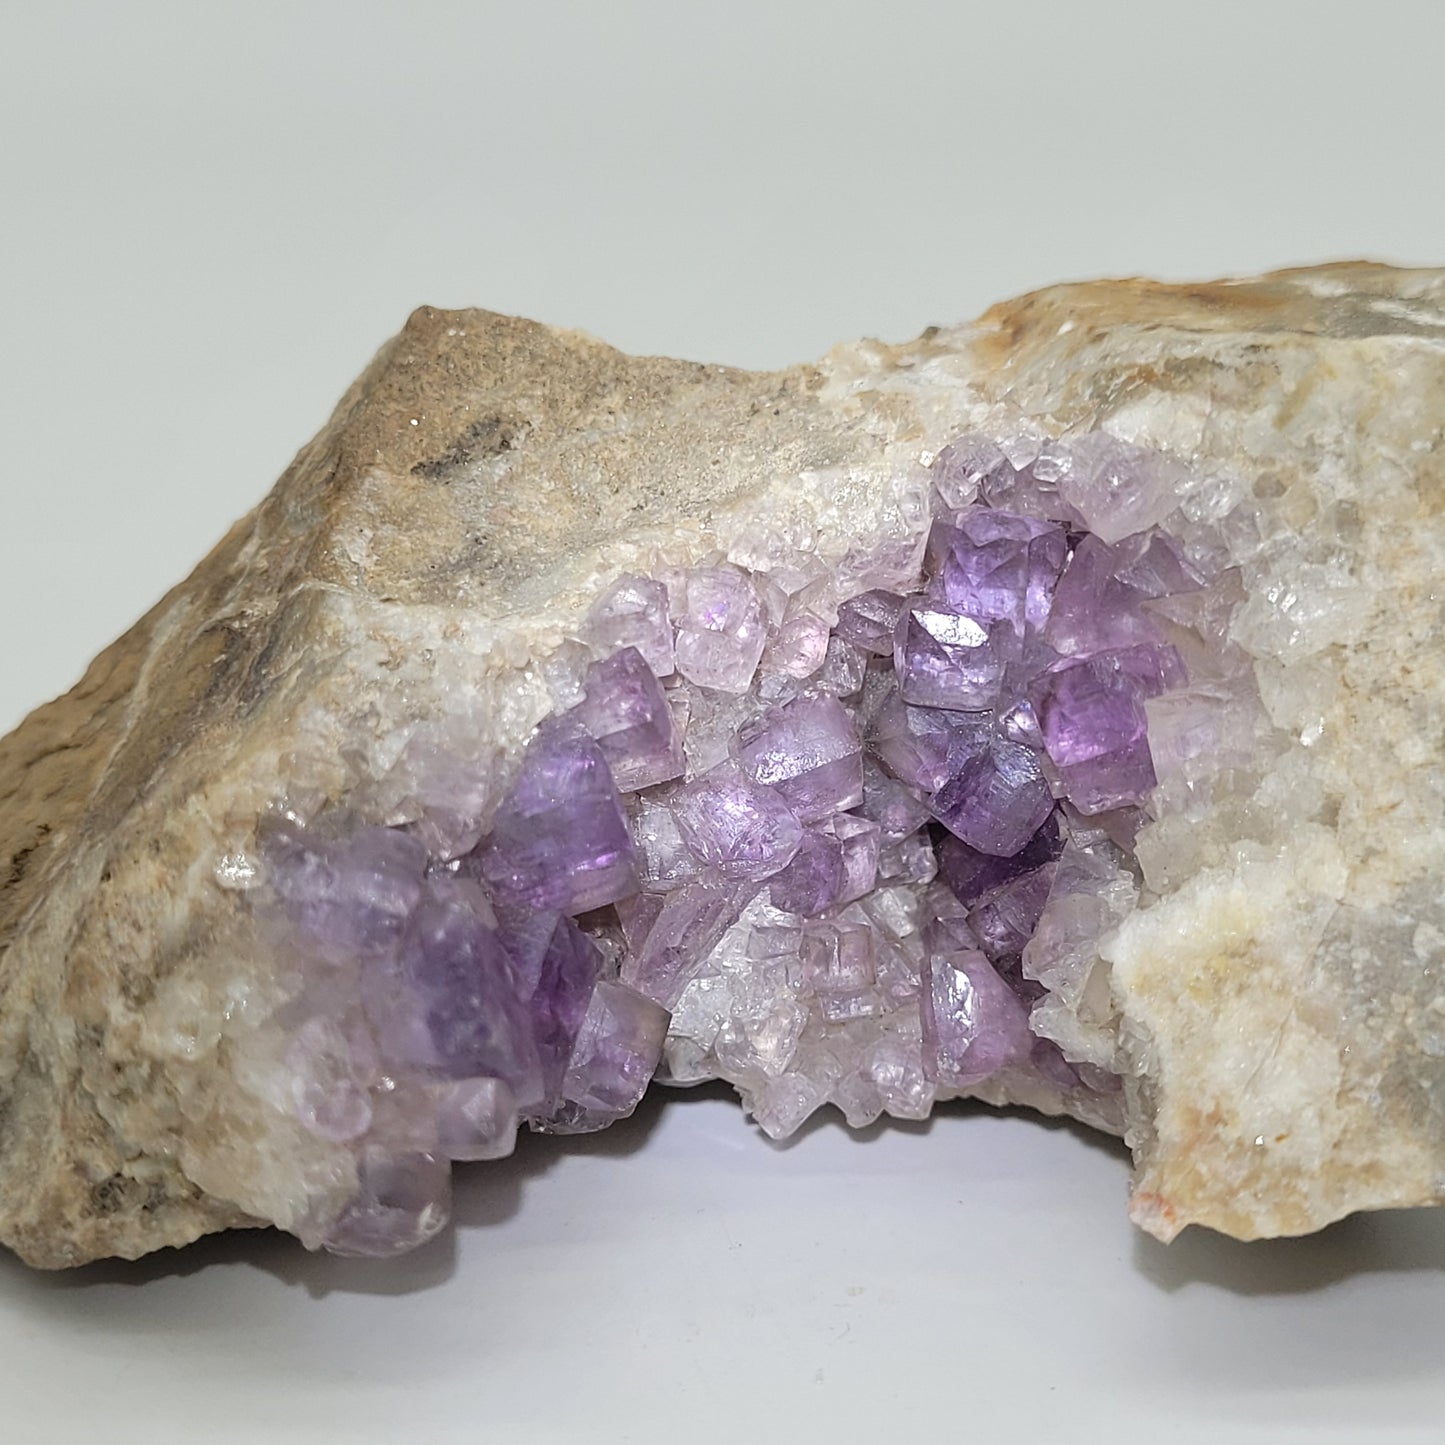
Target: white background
<point>210,216</point>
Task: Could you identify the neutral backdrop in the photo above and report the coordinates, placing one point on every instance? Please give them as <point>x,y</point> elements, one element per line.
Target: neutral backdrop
<point>210,217</point>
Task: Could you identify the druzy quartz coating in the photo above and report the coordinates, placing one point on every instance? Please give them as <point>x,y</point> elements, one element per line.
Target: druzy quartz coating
<point>831,856</point>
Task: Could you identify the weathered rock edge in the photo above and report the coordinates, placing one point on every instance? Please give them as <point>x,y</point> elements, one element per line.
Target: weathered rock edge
<point>1281,1003</point>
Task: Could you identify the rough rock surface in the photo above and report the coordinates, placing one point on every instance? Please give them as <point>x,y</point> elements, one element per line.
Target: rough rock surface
<point>1275,1004</point>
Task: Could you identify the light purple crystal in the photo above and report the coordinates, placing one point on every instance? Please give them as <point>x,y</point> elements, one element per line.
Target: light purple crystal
<point>860,842</point>
<point>1100,600</point>
<point>617,1051</point>
<point>350,896</point>
<point>448,793</point>
<point>401,1201</point>
<point>664,859</point>
<point>811,883</point>
<point>570,971</point>
<point>910,860</point>
<point>945,659</point>
<point>1153,566</point>
<point>475,1118</point>
<point>1092,608</point>
<point>997,800</point>
<point>891,804</point>
<point>947,929</point>
<point>1020,724</point>
<point>923,746</point>
<point>722,629</point>
<point>559,839</point>
<point>632,612</point>
<point>1029,488</point>
<point>740,827</point>
<point>965,466</point>
<point>809,750</point>
<point>973,1025</point>
<point>636,916</point>
<point>627,712</point>
<point>687,928</point>
<point>869,621</point>
<point>1118,489</point>
<point>799,645</point>
<point>526,934</point>
<point>1091,713</point>
<point>455,973</point>
<point>995,566</point>
<point>837,863</point>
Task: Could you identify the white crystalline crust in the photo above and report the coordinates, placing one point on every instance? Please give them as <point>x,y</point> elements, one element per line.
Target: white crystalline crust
<point>1272,998</point>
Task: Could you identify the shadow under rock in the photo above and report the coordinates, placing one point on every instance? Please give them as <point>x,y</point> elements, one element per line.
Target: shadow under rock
<point>1384,1242</point>
<point>487,1194</point>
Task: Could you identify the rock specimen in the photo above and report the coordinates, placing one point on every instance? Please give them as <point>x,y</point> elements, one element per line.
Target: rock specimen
<point>1048,710</point>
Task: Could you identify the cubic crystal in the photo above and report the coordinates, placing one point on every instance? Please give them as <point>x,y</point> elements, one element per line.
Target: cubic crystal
<point>722,629</point>
<point>627,712</point>
<point>810,751</point>
<point>559,839</point>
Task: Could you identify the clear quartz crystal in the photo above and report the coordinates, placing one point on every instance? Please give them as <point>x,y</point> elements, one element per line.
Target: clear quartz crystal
<point>866,864</point>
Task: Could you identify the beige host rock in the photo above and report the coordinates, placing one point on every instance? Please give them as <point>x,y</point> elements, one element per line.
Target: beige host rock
<point>1275,1003</point>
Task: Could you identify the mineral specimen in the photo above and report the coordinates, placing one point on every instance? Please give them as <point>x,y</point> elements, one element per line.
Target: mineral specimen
<point>1047,711</point>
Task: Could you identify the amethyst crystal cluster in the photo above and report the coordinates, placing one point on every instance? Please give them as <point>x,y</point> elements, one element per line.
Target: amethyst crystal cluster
<point>832,854</point>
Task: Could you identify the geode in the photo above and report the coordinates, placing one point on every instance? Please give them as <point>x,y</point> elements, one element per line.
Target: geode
<point>1047,711</point>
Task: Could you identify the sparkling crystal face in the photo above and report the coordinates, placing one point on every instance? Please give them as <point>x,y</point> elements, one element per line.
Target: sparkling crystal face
<point>854,854</point>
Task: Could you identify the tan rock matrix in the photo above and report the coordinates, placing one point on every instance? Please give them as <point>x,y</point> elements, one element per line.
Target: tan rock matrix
<point>1258,1003</point>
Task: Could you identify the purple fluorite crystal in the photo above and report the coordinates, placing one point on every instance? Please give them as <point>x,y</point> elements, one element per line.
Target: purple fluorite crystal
<point>973,1023</point>
<point>570,969</point>
<point>1098,603</point>
<point>997,800</point>
<point>560,840</point>
<point>1004,919</point>
<point>686,928</point>
<point>401,1201</point>
<point>799,646</point>
<point>963,468</point>
<point>721,629</point>
<point>997,567</point>
<point>633,613</point>
<point>1091,713</point>
<point>809,750</point>
<point>837,862</point>
<point>626,711</point>
<point>350,896</point>
<point>923,747</point>
<point>468,997</point>
<point>947,659</point>
<point>617,1050</point>
<point>740,866</point>
<point>476,1118</point>
<point>870,620</point>
<point>1117,489</point>
<point>973,875</point>
<point>739,826</point>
